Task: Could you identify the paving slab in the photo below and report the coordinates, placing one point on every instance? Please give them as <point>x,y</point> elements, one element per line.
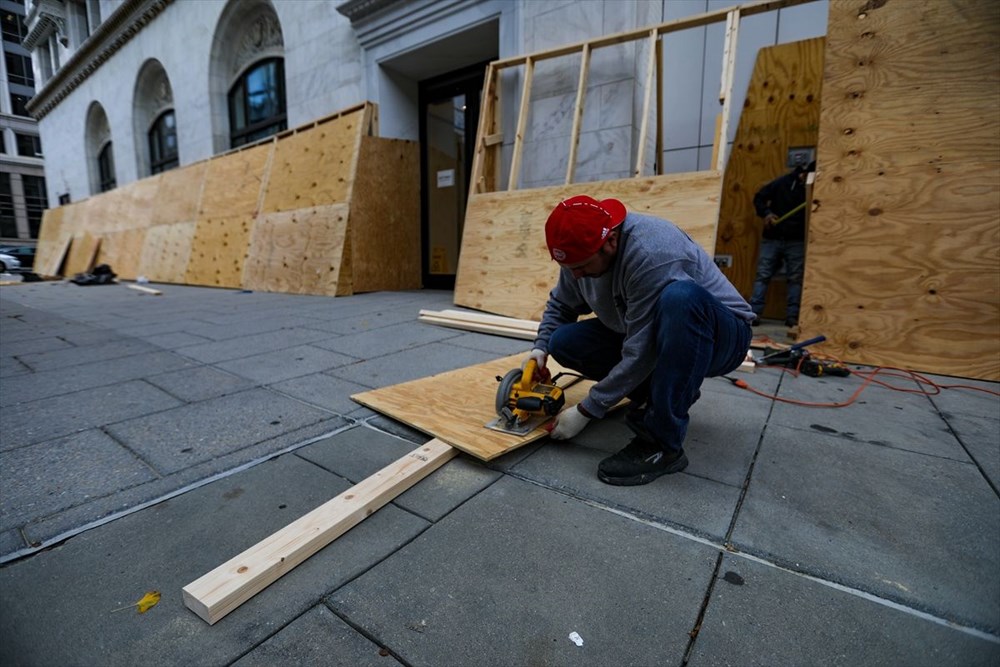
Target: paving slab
<point>497,345</point>
<point>983,401</point>
<point>53,615</point>
<point>695,504</point>
<point>506,577</point>
<point>323,390</point>
<point>880,416</point>
<point>175,439</point>
<point>11,541</point>
<point>48,477</point>
<point>51,418</point>
<point>200,383</point>
<point>123,502</point>
<point>55,359</point>
<point>980,437</point>
<point>360,452</point>
<point>318,637</point>
<point>47,384</point>
<point>722,436</point>
<point>245,346</point>
<point>762,616</point>
<point>914,528</point>
<point>285,364</point>
<point>11,368</point>
<point>176,339</point>
<point>31,344</point>
<point>386,340</point>
<point>411,364</point>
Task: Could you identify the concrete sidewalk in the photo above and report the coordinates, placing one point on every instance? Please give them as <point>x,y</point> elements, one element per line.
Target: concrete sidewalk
<point>144,440</point>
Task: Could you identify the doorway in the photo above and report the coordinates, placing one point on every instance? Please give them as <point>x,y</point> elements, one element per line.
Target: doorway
<point>449,116</point>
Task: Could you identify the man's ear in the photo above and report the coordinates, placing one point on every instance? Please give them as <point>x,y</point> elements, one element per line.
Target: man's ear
<point>611,243</point>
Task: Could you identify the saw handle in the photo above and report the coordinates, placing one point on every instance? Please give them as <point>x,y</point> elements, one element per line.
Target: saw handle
<point>531,369</point>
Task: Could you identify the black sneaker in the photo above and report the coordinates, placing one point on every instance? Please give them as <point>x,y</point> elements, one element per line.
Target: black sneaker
<point>640,462</point>
<point>792,322</point>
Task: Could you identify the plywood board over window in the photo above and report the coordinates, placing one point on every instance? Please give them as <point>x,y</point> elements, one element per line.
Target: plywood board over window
<point>285,203</point>
<point>904,247</point>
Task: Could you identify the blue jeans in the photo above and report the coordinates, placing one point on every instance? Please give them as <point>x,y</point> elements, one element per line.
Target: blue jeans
<point>695,337</point>
<point>772,252</point>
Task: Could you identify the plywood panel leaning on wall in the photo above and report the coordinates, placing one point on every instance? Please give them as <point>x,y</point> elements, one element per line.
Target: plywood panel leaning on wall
<point>233,182</point>
<point>904,249</point>
<point>179,194</point>
<point>53,240</point>
<point>505,267</point>
<point>781,111</point>
<point>385,216</point>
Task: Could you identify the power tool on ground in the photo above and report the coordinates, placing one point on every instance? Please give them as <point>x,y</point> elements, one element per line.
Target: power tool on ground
<point>798,357</point>
<point>525,399</point>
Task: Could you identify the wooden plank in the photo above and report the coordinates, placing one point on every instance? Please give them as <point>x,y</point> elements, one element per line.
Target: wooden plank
<point>659,108</point>
<point>483,318</point>
<point>297,252</point>
<point>385,230</point>
<point>145,290</point>
<point>507,332</point>
<point>522,123</point>
<point>484,132</point>
<point>904,241</point>
<point>782,110</point>
<point>729,72</point>
<point>315,167</point>
<point>422,405</point>
<point>581,95</point>
<point>640,151</point>
<point>505,266</point>
<point>225,588</point>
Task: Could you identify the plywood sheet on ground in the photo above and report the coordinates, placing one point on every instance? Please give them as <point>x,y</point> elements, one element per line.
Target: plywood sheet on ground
<point>233,183</point>
<point>122,251</point>
<point>297,252</point>
<point>166,251</point>
<point>385,216</point>
<point>218,252</point>
<point>904,248</point>
<point>314,166</point>
<point>178,194</point>
<point>781,111</point>
<point>505,267</point>
<point>429,405</point>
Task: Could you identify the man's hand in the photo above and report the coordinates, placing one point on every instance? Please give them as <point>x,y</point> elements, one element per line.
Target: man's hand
<point>540,357</point>
<point>770,220</point>
<point>569,423</point>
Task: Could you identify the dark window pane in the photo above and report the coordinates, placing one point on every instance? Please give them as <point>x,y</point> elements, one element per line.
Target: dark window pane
<point>35,201</point>
<point>19,69</point>
<point>17,104</point>
<point>163,143</point>
<point>8,224</point>
<point>28,145</point>
<point>106,168</point>
<point>64,199</point>
<point>257,103</point>
<point>13,28</point>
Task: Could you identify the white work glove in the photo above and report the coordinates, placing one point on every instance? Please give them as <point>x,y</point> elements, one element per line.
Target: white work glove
<point>568,424</point>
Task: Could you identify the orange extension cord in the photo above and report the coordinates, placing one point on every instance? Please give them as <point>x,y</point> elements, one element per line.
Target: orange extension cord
<point>870,377</point>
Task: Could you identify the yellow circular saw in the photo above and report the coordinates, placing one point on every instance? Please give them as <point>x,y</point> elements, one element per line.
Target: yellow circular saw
<point>522,403</point>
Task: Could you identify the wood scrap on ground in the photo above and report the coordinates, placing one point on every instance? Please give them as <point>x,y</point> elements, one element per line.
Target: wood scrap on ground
<point>225,588</point>
<point>482,323</point>
<point>145,290</point>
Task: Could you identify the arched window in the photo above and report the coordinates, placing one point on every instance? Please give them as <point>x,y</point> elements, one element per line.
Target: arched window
<point>257,103</point>
<point>163,143</point>
<point>106,168</point>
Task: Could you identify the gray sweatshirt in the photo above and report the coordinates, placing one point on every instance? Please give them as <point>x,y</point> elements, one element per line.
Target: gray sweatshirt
<point>652,253</point>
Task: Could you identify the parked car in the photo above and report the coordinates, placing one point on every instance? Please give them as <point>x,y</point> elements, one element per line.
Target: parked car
<point>9,263</point>
<point>24,254</point>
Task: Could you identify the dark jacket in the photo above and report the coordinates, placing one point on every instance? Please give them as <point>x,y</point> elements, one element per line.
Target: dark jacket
<point>779,197</point>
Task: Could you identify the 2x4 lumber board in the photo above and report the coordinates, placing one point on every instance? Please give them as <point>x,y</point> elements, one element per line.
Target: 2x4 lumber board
<point>225,588</point>
<point>520,334</point>
<point>647,101</point>
<point>581,96</point>
<point>166,251</point>
<point>522,124</point>
<point>145,290</point>
<point>385,230</point>
<point>696,21</point>
<point>484,131</point>
<point>315,167</point>
<point>505,268</point>
<point>728,74</point>
<point>297,252</point>
<point>659,107</point>
<point>422,405</point>
<point>483,318</point>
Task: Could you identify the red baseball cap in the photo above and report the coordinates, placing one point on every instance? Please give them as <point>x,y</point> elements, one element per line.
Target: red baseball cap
<point>577,227</point>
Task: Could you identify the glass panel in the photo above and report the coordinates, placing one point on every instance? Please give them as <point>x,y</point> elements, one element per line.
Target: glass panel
<point>445,184</point>
<point>35,202</point>
<point>8,223</point>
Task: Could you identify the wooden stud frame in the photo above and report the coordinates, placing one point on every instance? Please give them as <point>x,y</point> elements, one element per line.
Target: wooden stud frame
<point>483,175</point>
